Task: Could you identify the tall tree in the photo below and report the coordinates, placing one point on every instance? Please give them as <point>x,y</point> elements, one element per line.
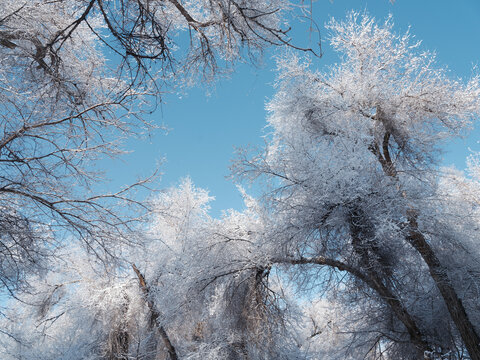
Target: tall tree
<point>356,187</point>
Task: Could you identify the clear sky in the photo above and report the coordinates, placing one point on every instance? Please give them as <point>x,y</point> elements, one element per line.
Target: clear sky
<point>205,129</point>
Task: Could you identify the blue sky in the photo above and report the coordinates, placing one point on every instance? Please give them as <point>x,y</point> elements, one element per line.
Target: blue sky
<point>207,124</point>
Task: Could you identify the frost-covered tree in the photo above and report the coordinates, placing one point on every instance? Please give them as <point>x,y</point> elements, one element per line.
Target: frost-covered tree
<point>356,189</point>
<point>196,290</point>
<point>61,109</point>
<point>155,40</point>
<point>76,76</point>
<point>361,247</point>
<point>204,276</point>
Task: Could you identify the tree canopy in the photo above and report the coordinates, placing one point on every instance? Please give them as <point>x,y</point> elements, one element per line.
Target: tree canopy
<point>77,78</point>
<point>361,245</point>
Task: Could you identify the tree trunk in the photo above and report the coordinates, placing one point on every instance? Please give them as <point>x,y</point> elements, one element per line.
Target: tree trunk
<point>437,271</point>
<point>439,275</point>
<point>154,315</point>
<point>366,248</point>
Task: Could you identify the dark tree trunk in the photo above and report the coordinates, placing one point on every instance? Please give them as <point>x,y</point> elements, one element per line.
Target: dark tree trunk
<point>154,315</point>
<point>379,275</point>
<point>437,270</point>
<point>439,275</point>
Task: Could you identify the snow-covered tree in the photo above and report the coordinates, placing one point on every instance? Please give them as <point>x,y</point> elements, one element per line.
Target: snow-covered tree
<point>356,189</point>
<point>193,291</point>
<point>361,247</point>
<point>76,77</point>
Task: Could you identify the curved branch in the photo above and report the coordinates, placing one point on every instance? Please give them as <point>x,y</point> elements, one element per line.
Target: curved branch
<point>376,285</point>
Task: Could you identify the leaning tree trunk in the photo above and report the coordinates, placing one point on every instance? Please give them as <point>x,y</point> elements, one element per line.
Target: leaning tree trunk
<point>364,245</point>
<point>438,272</point>
<point>154,315</point>
<point>445,286</point>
